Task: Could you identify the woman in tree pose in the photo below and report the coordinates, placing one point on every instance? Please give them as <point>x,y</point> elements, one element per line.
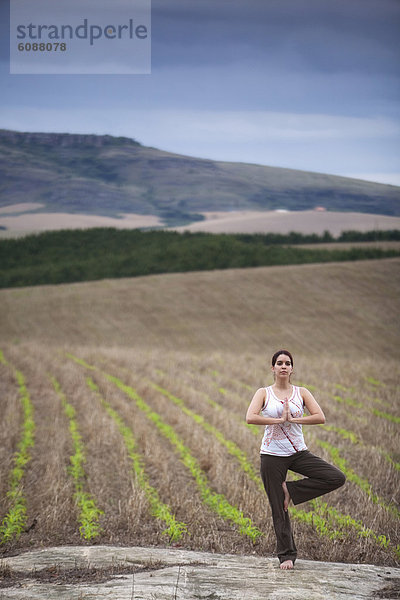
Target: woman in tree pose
<point>280,408</point>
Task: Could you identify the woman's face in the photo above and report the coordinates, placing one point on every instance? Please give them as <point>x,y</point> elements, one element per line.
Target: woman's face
<point>283,366</point>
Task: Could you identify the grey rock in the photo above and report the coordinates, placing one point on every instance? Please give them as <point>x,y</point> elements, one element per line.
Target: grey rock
<point>187,575</point>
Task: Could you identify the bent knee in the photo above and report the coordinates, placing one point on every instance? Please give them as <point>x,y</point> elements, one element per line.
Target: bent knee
<point>338,479</point>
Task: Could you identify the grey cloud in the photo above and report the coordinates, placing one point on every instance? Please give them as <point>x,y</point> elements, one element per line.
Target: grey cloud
<point>317,34</point>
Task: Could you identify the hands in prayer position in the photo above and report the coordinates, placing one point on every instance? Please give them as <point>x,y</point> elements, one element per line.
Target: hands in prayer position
<point>286,414</point>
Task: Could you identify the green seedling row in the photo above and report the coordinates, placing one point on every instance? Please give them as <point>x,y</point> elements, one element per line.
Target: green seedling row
<point>385,415</point>
<point>362,483</point>
<point>243,385</point>
<point>89,514</point>
<point>327,521</point>
<point>207,398</point>
<point>378,401</point>
<point>355,404</point>
<point>212,402</point>
<point>318,522</point>
<point>14,523</point>
<point>332,527</point>
<point>354,439</point>
<point>387,457</point>
<point>317,519</point>
<point>346,521</point>
<point>344,433</point>
<point>217,502</point>
<point>375,382</point>
<point>348,400</point>
<point>175,529</point>
<point>232,448</point>
<point>343,388</point>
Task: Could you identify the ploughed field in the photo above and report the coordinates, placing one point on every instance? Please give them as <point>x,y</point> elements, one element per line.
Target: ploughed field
<point>126,438</point>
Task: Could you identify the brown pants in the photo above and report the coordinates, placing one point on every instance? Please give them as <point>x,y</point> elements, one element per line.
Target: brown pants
<point>320,478</point>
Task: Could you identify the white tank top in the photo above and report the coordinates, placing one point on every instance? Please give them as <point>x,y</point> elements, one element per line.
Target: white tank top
<point>282,439</point>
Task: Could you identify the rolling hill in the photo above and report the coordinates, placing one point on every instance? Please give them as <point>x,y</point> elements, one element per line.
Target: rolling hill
<point>109,176</point>
<point>343,309</point>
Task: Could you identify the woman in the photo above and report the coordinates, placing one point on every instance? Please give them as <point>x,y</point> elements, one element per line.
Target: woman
<point>282,406</point>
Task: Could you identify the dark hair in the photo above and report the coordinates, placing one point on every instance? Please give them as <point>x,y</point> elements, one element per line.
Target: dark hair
<point>286,352</point>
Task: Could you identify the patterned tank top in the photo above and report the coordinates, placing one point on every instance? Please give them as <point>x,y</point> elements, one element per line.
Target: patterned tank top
<point>282,439</point>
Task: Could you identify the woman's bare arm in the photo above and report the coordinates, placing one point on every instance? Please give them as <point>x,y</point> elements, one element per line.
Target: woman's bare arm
<point>253,412</point>
<point>316,416</point>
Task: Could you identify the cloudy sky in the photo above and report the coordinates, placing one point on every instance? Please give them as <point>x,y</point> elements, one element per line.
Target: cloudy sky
<point>305,84</point>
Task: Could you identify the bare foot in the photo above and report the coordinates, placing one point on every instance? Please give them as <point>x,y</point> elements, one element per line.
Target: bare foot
<point>286,496</point>
<point>286,565</point>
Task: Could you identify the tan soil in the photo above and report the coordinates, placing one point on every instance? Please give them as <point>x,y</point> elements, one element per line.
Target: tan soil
<point>307,221</point>
<point>37,222</point>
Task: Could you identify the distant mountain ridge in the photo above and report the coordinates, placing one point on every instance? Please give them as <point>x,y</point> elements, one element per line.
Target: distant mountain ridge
<point>106,175</point>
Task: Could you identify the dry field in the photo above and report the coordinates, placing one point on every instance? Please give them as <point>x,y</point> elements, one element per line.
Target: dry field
<point>22,219</point>
<point>31,222</point>
<point>303,221</point>
<point>123,407</point>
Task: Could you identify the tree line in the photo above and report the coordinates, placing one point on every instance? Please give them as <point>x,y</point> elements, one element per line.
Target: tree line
<point>85,255</point>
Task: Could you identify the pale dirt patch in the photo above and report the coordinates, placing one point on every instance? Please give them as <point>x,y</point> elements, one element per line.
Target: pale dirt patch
<point>34,223</point>
<point>20,208</point>
<point>243,221</point>
<point>307,221</point>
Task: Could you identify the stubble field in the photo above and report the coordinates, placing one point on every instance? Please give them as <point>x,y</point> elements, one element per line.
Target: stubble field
<point>123,406</point>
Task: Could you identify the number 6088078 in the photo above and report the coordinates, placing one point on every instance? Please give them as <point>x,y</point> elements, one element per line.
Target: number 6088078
<point>42,47</point>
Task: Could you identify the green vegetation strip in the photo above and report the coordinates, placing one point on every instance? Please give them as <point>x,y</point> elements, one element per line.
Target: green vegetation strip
<point>313,519</point>
<point>378,413</point>
<point>89,513</point>
<point>351,402</point>
<point>346,434</point>
<point>333,516</point>
<point>175,529</point>
<point>232,448</point>
<point>375,382</point>
<point>86,255</point>
<point>318,519</point>
<point>217,502</point>
<point>241,384</point>
<point>387,457</point>
<point>14,523</point>
<point>362,483</point>
<point>355,404</point>
<point>327,520</point>
<point>385,415</point>
<point>348,400</point>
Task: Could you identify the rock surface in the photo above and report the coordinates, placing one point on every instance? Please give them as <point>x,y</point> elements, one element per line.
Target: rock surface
<point>174,574</point>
